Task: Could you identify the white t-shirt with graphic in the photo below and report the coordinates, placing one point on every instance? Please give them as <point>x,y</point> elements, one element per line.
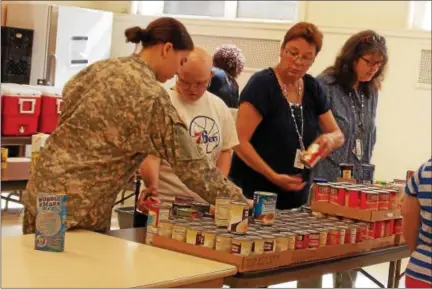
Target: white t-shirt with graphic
<point>211,126</point>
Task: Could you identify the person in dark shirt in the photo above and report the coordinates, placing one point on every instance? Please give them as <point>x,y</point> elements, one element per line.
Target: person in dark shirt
<point>280,111</point>
<point>228,62</point>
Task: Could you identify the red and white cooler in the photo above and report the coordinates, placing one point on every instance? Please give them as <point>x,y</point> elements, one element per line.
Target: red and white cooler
<point>20,110</point>
<point>51,107</point>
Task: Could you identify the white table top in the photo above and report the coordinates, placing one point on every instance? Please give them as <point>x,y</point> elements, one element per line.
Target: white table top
<point>95,260</point>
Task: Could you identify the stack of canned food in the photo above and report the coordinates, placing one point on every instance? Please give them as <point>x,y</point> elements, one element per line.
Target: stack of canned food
<point>356,196</point>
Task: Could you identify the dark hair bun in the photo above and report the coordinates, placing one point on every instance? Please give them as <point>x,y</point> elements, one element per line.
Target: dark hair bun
<point>133,34</point>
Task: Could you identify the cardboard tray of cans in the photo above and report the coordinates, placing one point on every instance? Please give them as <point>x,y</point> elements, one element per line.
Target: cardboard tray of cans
<point>243,263</point>
<point>355,213</point>
<point>273,260</point>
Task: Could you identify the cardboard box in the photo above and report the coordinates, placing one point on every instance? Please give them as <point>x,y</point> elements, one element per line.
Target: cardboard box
<point>244,264</point>
<point>267,261</point>
<point>354,213</point>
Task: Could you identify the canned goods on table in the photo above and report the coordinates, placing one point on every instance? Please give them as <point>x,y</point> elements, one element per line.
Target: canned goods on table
<point>238,218</point>
<point>323,233</point>
<point>383,200</point>
<point>379,229</point>
<point>224,242</point>
<point>362,232</point>
<point>241,246</point>
<point>165,228</point>
<point>179,231</point>
<point>352,197</point>
<point>369,200</point>
<point>281,242</point>
<point>351,234</point>
<point>257,245</point>
<point>333,236</point>
<point>209,239</point>
<point>389,228</point>
<point>337,195</point>
<point>194,235</point>
<point>222,207</point>
<point>347,171</point>
<point>398,226</point>
<point>371,230</point>
<point>157,213</point>
<point>314,239</point>
<point>394,199</point>
<point>302,239</point>
<point>343,231</point>
<point>269,244</point>
<point>264,208</point>
<point>322,192</point>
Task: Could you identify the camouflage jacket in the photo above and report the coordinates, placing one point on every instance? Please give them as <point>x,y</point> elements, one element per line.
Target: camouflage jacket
<point>115,114</point>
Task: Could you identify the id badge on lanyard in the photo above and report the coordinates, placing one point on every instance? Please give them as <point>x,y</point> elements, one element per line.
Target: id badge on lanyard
<point>358,149</point>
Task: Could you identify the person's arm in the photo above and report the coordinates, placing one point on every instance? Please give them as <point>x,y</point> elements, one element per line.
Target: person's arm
<point>172,142</point>
<point>411,209</point>
<point>149,170</point>
<point>248,119</point>
<point>332,137</point>
<point>223,162</point>
<point>411,218</point>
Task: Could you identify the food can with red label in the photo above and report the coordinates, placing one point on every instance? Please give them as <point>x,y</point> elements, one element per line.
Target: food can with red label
<point>333,236</point>
<point>322,192</point>
<point>379,229</point>
<point>157,212</point>
<point>398,226</point>
<point>337,195</point>
<point>352,197</point>
<point>302,239</point>
<point>383,200</point>
<point>362,232</point>
<point>371,230</point>
<point>183,200</point>
<point>394,199</point>
<point>312,156</point>
<point>343,231</point>
<point>369,200</point>
<point>351,234</point>
<point>314,238</point>
<point>389,228</point>
<point>347,171</point>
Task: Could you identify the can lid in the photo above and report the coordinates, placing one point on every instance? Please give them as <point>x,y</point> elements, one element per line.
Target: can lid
<point>50,91</point>
<point>239,203</point>
<point>265,193</point>
<point>268,236</point>
<point>225,235</point>
<point>319,180</point>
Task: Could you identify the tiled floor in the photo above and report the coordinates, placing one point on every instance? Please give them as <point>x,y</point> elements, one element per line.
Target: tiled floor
<point>11,225</point>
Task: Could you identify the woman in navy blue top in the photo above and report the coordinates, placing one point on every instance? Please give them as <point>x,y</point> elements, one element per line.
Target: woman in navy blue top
<point>280,111</point>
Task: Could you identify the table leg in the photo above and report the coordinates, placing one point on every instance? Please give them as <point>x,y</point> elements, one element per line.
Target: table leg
<point>391,275</point>
<point>398,273</point>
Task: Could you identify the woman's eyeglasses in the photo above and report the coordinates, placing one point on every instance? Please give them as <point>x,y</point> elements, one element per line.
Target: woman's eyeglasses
<point>303,59</point>
<point>372,63</point>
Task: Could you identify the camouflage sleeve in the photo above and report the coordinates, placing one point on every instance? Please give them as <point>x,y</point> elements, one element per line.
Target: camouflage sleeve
<point>172,142</point>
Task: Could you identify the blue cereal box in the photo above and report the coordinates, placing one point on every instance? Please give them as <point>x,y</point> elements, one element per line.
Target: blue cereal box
<point>264,208</point>
<point>50,222</point>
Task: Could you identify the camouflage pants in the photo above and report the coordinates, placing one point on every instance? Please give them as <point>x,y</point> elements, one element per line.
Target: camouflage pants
<point>29,223</point>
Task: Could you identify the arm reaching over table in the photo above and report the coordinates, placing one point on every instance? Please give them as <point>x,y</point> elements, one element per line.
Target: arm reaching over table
<point>172,142</point>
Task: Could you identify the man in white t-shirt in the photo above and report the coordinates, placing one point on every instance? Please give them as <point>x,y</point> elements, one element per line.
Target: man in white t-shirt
<point>208,120</point>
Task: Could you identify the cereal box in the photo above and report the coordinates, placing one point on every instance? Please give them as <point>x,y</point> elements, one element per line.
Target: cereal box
<point>50,222</point>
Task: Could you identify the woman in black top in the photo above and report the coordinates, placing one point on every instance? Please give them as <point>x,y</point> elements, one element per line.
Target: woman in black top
<point>280,111</point>
<point>228,62</point>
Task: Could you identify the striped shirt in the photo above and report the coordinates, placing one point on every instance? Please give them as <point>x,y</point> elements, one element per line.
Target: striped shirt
<point>420,187</point>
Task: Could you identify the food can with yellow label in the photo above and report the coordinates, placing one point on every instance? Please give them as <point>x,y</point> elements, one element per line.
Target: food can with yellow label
<point>238,218</point>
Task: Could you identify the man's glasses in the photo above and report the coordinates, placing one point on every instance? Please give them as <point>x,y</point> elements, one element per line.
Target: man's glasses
<point>304,59</point>
<point>196,85</point>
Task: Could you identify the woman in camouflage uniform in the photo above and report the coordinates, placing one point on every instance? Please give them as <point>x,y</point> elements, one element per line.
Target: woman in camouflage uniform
<point>115,114</point>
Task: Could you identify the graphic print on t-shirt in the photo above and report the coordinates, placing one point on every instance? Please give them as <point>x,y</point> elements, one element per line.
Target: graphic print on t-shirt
<point>205,132</point>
